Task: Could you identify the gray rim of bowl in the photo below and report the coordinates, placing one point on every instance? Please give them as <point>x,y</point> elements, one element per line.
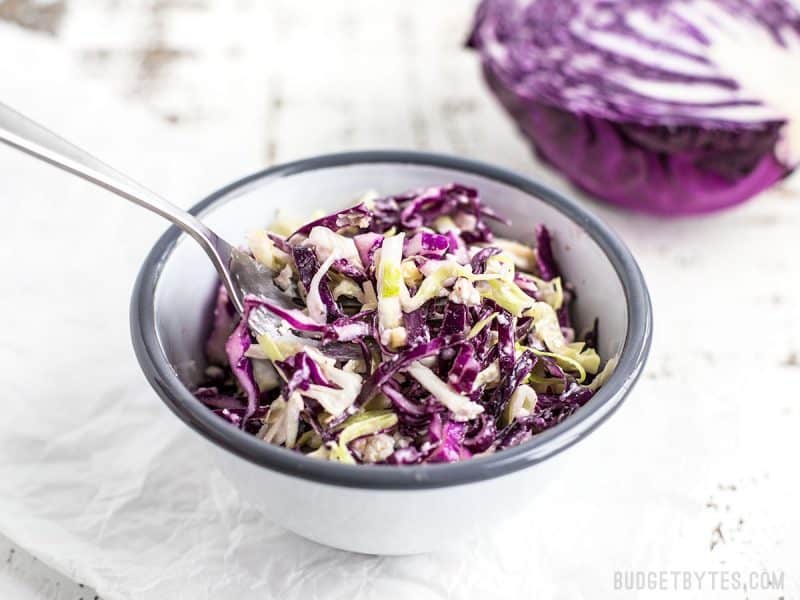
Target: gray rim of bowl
<point>180,400</point>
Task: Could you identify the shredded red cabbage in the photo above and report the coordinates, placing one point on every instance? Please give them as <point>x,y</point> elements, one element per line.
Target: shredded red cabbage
<point>443,345</point>
<point>665,106</point>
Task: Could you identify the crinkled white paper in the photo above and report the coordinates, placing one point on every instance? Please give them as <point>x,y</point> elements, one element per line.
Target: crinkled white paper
<point>696,472</point>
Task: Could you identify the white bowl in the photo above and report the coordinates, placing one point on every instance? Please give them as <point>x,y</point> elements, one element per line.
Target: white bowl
<point>368,508</point>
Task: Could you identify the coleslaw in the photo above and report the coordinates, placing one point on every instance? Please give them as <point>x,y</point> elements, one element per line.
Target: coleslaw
<point>419,336</point>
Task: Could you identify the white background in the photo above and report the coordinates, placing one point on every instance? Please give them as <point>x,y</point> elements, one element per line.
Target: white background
<point>697,471</point>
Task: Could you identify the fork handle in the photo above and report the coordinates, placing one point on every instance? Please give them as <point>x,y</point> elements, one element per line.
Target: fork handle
<point>20,132</point>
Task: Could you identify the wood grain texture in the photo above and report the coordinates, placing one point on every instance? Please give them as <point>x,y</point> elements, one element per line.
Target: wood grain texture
<point>23,577</point>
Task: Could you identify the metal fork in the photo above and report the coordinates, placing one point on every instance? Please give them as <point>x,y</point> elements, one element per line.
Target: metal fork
<point>239,273</point>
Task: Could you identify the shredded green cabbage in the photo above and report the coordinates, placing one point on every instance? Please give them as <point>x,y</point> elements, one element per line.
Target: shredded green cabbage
<point>270,347</point>
<point>521,404</point>
<point>523,255</point>
<point>266,375</point>
<point>326,242</point>
<point>546,326</point>
<point>366,423</point>
<point>588,357</point>
<point>334,401</point>
<point>603,375</point>
<point>432,285</point>
<point>501,266</point>
<point>463,408</point>
<point>565,362</point>
<point>265,251</point>
<point>316,308</point>
<point>391,291</point>
<point>551,291</point>
<point>481,325</point>
<point>347,287</point>
<point>309,439</point>
<point>506,294</point>
<point>489,376</point>
<point>284,225</point>
<point>282,421</point>
<point>444,224</point>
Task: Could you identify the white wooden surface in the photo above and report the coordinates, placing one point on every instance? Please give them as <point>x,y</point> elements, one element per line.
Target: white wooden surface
<point>216,89</point>
<point>23,577</point>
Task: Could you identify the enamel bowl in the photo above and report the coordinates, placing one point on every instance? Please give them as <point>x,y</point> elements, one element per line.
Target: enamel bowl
<point>368,508</point>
